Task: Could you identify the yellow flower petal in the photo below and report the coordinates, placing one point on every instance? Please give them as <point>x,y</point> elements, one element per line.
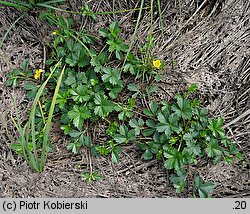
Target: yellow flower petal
<point>157,63</point>
<point>54,33</point>
<point>38,73</point>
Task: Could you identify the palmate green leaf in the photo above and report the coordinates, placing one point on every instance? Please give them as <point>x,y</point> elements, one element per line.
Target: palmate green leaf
<point>134,88</point>
<point>168,123</point>
<point>81,137</point>
<point>151,130</point>
<point>137,125</point>
<point>151,149</point>
<point>62,99</point>
<point>151,89</point>
<point>174,159</point>
<point>74,147</point>
<point>213,149</point>
<point>118,46</point>
<point>112,75</point>
<point>179,180</point>
<point>81,93</point>
<point>153,109</point>
<point>182,108</point>
<point>85,140</point>
<point>193,147</point>
<point>204,188</point>
<point>114,90</point>
<point>173,122</point>
<point>75,133</point>
<point>216,127</point>
<point>70,44</point>
<point>125,112</point>
<point>103,105</point>
<point>164,127</point>
<point>71,60</point>
<point>71,80</point>
<point>125,135</point>
<point>79,114</point>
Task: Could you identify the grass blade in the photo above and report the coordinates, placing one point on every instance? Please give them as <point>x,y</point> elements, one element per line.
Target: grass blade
<point>48,124</point>
<point>17,4</point>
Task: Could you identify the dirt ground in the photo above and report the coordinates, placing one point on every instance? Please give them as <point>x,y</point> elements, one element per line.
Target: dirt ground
<point>209,41</point>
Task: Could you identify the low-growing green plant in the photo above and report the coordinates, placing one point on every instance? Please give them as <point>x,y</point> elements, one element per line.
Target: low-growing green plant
<point>31,143</point>
<point>90,177</point>
<point>180,134</point>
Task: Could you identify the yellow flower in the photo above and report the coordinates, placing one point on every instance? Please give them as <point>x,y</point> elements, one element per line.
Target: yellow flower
<point>38,73</point>
<point>54,33</point>
<point>157,63</point>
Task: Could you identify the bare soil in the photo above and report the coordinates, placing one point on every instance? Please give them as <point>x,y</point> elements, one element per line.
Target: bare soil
<point>209,41</point>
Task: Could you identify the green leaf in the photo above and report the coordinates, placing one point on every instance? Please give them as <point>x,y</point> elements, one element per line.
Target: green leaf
<point>112,129</point>
<point>133,87</point>
<point>85,141</point>
<point>125,135</point>
<point>118,55</point>
<point>81,94</point>
<point>75,133</point>
<point>104,32</point>
<point>125,113</point>
<point>203,188</point>
<point>112,75</point>
<point>153,109</point>
<point>183,107</point>
<point>114,90</point>
<point>179,181</point>
<point>103,106</point>
<point>148,132</point>
<point>137,125</point>
<point>78,114</point>
<point>29,86</point>
<point>32,94</point>
<point>115,157</point>
<point>174,159</point>
<point>62,99</point>
<point>213,149</point>
<point>71,61</point>
<point>165,125</point>
<point>192,88</point>
<point>71,80</point>
<point>74,147</point>
<point>162,117</point>
<point>119,138</point>
<point>152,89</point>
<point>216,127</point>
<point>193,147</point>
<point>114,29</point>
<point>17,147</point>
<point>70,44</point>
<point>147,155</point>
